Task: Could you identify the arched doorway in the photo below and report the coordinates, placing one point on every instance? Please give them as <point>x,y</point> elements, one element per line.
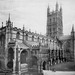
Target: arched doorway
<point>23,56</point>
<point>32,63</point>
<point>44,65</point>
<point>34,60</point>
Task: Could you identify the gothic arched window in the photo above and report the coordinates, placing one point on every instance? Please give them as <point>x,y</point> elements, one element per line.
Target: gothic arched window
<point>32,38</point>
<point>38,38</point>
<point>2,39</point>
<point>18,35</point>
<point>10,54</point>
<point>26,36</point>
<point>23,56</point>
<point>43,40</point>
<point>47,40</point>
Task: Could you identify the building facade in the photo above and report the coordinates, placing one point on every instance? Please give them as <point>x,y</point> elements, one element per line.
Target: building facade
<point>54,22</point>
<point>22,50</point>
<point>68,44</point>
<point>55,30</point>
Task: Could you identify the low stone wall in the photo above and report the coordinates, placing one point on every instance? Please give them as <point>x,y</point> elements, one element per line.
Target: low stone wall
<point>49,72</point>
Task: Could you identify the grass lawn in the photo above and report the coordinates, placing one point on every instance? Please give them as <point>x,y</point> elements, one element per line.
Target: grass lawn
<point>66,66</point>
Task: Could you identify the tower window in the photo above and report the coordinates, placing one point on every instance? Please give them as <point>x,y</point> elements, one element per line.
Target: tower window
<point>50,20</point>
<point>50,29</point>
<point>53,19</point>
<point>53,29</point>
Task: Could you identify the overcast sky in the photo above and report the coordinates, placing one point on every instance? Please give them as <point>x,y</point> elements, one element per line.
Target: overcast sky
<point>33,13</point>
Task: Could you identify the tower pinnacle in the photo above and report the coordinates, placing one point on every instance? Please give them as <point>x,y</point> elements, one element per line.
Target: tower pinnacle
<point>57,6</point>
<point>9,23</point>
<point>9,17</point>
<point>48,7</point>
<point>23,28</point>
<point>48,10</point>
<point>72,28</point>
<point>2,24</point>
<point>60,8</point>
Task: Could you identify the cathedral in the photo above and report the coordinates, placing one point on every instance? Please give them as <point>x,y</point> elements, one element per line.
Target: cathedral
<point>22,51</point>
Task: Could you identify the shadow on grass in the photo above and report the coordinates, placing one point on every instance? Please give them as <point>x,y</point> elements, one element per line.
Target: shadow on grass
<point>67,66</point>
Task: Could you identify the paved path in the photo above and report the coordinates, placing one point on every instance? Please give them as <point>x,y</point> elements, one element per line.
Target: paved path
<point>48,72</point>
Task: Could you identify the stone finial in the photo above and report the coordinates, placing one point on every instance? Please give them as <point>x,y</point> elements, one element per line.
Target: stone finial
<point>2,24</point>
<point>48,10</point>
<point>73,28</point>
<point>29,30</point>
<point>9,17</point>
<point>57,6</point>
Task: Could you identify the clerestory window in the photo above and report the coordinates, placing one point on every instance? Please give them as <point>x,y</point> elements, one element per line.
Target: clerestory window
<point>18,35</point>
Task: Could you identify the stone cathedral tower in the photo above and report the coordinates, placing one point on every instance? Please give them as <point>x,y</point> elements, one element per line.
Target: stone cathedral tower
<point>54,22</point>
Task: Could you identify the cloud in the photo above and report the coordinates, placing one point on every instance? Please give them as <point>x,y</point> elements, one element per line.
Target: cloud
<point>33,13</point>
